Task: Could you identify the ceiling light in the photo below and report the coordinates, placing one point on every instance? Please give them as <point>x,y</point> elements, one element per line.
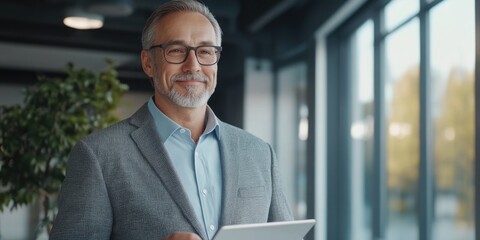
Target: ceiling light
<point>79,19</point>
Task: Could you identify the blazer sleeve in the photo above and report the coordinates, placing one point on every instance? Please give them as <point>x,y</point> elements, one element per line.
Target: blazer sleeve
<point>84,206</point>
<point>279,209</point>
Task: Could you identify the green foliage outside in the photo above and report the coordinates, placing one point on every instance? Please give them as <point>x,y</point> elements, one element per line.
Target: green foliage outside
<point>36,138</point>
<point>403,147</point>
<point>453,144</point>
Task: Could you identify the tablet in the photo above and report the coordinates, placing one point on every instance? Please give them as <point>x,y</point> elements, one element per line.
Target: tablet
<point>287,230</point>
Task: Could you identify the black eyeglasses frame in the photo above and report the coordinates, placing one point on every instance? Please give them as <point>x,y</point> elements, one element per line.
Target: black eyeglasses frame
<point>189,48</point>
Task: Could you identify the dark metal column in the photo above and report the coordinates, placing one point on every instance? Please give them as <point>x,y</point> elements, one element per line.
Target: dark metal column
<point>379,163</point>
<point>425,188</point>
<point>477,120</point>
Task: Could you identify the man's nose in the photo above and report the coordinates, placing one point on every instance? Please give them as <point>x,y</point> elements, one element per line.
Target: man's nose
<point>191,64</point>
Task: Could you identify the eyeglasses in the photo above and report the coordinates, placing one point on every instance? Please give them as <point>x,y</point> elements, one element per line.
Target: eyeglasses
<point>177,53</point>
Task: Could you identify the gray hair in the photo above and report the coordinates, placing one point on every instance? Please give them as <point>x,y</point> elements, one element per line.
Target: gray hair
<point>148,32</point>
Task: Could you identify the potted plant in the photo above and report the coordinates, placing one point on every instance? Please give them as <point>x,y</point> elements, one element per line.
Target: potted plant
<point>36,138</point>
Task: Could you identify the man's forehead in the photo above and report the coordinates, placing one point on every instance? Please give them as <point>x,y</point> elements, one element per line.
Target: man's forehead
<point>183,26</point>
<point>179,41</point>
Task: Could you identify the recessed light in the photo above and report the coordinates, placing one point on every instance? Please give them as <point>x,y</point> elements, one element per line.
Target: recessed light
<point>79,19</point>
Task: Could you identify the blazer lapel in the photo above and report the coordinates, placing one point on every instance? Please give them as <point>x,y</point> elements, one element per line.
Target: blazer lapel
<point>152,148</point>
<point>229,154</point>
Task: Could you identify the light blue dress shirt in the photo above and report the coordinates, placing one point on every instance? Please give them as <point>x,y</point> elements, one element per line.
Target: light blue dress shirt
<point>197,165</point>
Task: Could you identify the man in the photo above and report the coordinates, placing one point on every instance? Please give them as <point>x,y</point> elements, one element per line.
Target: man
<point>172,170</point>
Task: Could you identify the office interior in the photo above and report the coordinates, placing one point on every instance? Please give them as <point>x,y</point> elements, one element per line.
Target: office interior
<point>370,105</point>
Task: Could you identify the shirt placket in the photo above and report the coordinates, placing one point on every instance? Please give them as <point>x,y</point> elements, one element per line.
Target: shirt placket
<point>205,191</point>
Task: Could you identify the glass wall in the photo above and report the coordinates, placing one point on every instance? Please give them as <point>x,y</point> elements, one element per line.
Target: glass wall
<point>397,11</point>
<point>401,78</point>
<point>452,62</point>
<point>292,133</point>
<point>408,69</point>
<point>361,130</point>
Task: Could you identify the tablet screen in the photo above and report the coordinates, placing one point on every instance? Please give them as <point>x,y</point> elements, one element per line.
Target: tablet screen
<point>287,230</point>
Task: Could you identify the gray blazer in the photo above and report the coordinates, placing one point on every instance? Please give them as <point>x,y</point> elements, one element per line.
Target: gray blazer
<point>120,184</point>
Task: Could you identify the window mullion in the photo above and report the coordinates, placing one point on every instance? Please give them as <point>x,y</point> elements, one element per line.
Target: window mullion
<point>425,210</point>
<point>477,120</point>
<point>379,207</point>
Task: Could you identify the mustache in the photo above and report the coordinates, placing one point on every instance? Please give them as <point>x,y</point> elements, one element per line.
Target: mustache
<point>190,76</point>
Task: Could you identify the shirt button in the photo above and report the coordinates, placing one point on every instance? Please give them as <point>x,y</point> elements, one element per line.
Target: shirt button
<point>182,130</point>
<point>204,191</point>
<point>212,227</point>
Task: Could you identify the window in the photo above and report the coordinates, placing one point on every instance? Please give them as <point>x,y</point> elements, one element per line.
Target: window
<point>452,71</point>
<point>401,78</point>
<point>292,134</point>
<point>361,130</point>
<point>402,115</point>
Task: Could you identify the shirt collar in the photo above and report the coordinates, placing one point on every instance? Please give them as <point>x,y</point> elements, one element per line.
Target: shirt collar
<point>212,123</point>
<point>166,126</point>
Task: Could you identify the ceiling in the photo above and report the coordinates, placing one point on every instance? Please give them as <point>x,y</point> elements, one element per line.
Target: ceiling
<point>33,37</point>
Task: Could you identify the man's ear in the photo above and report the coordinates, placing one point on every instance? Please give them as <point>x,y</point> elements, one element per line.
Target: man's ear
<point>147,63</point>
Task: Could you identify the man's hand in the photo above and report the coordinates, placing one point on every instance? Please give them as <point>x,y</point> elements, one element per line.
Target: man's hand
<point>183,236</point>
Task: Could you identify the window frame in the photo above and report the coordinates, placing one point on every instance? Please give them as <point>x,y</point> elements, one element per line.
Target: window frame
<point>338,125</point>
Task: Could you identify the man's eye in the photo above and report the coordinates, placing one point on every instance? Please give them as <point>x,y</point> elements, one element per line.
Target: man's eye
<point>176,51</point>
<point>206,51</point>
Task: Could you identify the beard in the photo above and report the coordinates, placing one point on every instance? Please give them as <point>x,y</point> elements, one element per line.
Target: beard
<point>195,95</point>
<point>191,99</point>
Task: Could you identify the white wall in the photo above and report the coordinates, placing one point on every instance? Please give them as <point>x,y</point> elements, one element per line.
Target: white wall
<point>130,103</point>
<point>258,100</point>
<point>11,94</point>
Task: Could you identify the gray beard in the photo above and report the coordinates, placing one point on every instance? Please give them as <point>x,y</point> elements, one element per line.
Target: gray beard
<point>191,99</point>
